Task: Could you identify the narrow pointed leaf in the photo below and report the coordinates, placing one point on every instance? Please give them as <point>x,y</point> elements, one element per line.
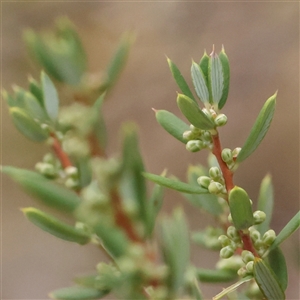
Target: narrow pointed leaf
<point>277,263</point>
<point>287,231</point>
<point>203,64</point>
<point>176,252</point>
<point>99,124</point>
<point>34,108</point>
<point>27,126</point>
<point>86,280</point>
<point>265,203</point>
<point>267,280</point>
<point>43,189</point>
<point>240,208</point>
<point>77,293</point>
<point>50,96</point>
<point>114,239</point>
<point>172,124</point>
<point>207,275</point>
<point>117,63</point>
<point>226,77</point>
<point>193,113</point>
<point>216,77</point>
<point>133,182</point>
<point>200,83</point>
<point>175,184</point>
<point>180,80</point>
<point>259,129</point>
<point>55,227</point>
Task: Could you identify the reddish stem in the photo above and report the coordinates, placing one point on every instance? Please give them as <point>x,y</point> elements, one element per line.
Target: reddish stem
<point>228,178</point>
<point>122,219</point>
<point>247,242</point>
<point>227,174</point>
<point>62,156</point>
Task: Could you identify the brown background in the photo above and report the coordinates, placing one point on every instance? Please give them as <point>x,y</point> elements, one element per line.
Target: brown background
<point>262,42</point>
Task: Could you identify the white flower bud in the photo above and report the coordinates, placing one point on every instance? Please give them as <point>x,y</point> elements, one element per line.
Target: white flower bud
<point>215,173</point>
<point>204,181</point>
<point>269,237</point>
<point>236,151</point>
<point>249,266</point>
<point>194,145</point>
<point>221,120</point>
<point>232,233</point>
<point>242,272</point>
<point>226,252</point>
<point>259,216</point>
<point>224,240</point>
<point>187,135</point>
<point>227,155</point>
<point>247,256</point>
<point>215,187</point>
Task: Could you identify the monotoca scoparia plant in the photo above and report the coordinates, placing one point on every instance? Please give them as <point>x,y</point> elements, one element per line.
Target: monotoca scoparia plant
<point>107,196</point>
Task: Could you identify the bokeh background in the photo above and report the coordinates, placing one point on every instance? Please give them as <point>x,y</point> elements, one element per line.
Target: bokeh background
<point>262,42</point>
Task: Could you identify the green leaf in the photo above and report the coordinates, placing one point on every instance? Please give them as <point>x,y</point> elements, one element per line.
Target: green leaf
<point>27,126</point>
<point>99,124</point>
<point>133,182</point>
<point>180,80</point>
<point>172,124</point>
<point>287,231</point>
<point>77,293</point>
<point>114,239</point>
<point>117,63</point>
<point>226,76</point>
<point>207,275</point>
<point>265,203</point>
<point>200,83</point>
<point>216,77</point>
<point>240,208</point>
<point>193,113</point>
<point>36,90</point>
<point>50,96</point>
<point>267,280</point>
<point>59,52</point>
<point>277,262</point>
<point>86,280</point>
<point>83,165</point>
<point>176,252</point>
<point>175,184</point>
<point>232,288</point>
<point>34,108</point>
<point>259,129</point>
<point>154,205</point>
<point>55,227</point>
<point>44,189</point>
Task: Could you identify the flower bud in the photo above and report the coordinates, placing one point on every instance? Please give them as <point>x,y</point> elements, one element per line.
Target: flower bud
<point>71,183</point>
<point>204,181</point>
<point>259,216</point>
<point>71,171</point>
<point>221,120</point>
<point>206,136</point>
<point>224,240</point>
<point>254,234</point>
<point>242,272</point>
<point>46,169</point>
<point>247,256</point>
<point>215,187</point>
<point>226,252</point>
<point>249,266</point>
<point>194,145</point>
<point>215,173</point>
<point>232,233</point>
<point>187,135</point>
<point>236,151</point>
<point>269,237</point>
<point>226,155</point>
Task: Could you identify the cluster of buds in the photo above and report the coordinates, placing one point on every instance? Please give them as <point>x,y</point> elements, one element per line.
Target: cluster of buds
<point>219,119</point>
<point>198,139</point>
<point>229,242</point>
<point>262,243</point>
<point>229,156</point>
<point>214,182</point>
<point>49,167</point>
<point>248,259</point>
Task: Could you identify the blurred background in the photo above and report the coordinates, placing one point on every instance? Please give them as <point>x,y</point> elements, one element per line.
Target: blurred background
<point>262,42</point>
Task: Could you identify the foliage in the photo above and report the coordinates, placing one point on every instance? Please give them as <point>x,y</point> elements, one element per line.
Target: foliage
<point>108,196</point>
